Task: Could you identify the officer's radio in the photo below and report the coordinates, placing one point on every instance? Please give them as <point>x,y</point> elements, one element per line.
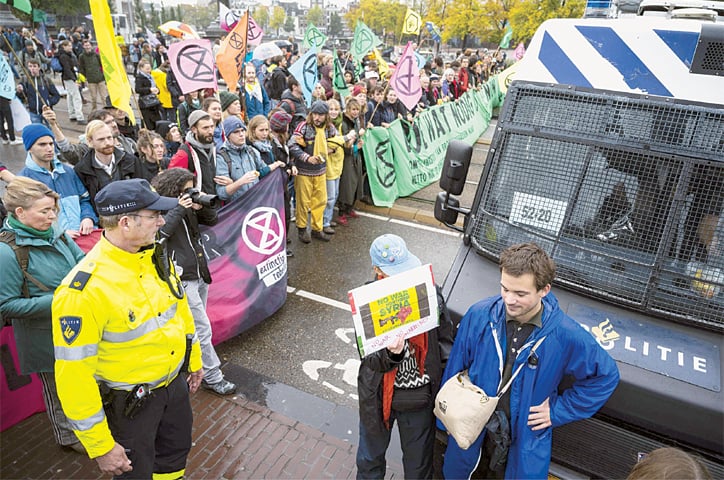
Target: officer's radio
<point>163,267</point>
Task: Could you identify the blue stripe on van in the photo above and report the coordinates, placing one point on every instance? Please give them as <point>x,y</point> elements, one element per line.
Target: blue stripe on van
<point>683,44</point>
<point>611,47</point>
<point>559,65</point>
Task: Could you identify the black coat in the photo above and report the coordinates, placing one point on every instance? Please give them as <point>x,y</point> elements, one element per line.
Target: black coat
<point>375,365</point>
<point>184,240</point>
<point>95,178</point>
<point>69,62</point>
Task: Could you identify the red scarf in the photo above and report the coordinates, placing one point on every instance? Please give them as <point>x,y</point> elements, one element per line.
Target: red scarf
<point>419,344</point>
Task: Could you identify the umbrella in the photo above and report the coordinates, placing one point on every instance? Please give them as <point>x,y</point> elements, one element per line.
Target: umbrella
<point>266,50</point>
<point>178,30</point>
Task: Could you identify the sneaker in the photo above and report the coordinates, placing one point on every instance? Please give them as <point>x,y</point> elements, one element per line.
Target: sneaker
<point>224,387</point>
<point>289,253</point>
<point>304,235</point>
<point>82,122</point>
<point>332,224</point>
<point>17,141</point>
<point>320,236</point>
<point>342,220</point>
<point>353,214</point>
<point>72,119</point>
<point>6,141</point>
<point>328,230</point>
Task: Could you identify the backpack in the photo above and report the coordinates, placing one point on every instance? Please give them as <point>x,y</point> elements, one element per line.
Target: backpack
<point>22,254</point>
<point>267,82</point>
<point>55,65</point>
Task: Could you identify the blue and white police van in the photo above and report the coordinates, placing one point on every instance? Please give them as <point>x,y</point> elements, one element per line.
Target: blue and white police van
<point>609,153</point>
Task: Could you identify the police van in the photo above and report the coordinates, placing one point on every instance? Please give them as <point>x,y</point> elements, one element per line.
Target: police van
<point>609,153</point>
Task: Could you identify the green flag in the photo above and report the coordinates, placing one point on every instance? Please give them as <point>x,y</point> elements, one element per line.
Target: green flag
<point>364,41</point>
<point>338,83</point>
<point>313,37</point>
<point>39,15</point>
<point>505,42</point>
<point>22,5</point>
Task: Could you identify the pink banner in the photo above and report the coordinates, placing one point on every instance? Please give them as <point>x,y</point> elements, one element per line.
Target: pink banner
<point>20,395</point>
<point>192,62</point>
<point>406,79</point>
<point>253,33</point>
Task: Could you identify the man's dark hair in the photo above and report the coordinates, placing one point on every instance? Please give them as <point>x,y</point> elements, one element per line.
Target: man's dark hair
<point>33,61</point>
<point>291,82</point>
<point>99,114</point>
<point>170,183</point>
<point>523,258</point>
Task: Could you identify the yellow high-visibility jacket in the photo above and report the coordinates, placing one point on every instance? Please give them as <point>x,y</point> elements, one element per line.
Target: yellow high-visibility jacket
<point>115,321</point>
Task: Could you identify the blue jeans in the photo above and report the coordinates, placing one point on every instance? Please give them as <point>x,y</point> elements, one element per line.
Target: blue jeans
<point>332,194</point>
<point>35,118</point>
<point>417,438</point>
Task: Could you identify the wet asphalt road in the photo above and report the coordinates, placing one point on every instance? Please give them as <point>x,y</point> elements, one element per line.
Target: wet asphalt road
<point>309,343</point>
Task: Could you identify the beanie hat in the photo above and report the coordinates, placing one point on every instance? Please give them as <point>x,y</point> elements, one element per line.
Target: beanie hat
<point>163,127</point>
<point>279,121</point>
<point>197,115</point>
<point>232,124</point>
<point>32,132</point>
<point>227,98</point>
<point>320,107</point>
<point>357,89</point>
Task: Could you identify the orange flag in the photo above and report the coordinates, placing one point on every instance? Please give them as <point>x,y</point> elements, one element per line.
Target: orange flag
<point>230,58</point>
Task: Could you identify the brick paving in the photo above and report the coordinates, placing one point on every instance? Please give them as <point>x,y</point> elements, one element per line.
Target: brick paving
<point>233,438</point>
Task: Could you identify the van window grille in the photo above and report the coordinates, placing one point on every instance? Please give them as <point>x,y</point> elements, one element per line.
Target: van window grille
<point>632,214</point>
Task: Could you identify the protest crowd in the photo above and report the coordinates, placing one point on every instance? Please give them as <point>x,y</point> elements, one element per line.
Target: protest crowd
<point>202,147</point>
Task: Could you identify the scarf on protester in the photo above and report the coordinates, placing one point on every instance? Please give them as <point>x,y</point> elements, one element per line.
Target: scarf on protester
<point>264,146</point>
<point>16,224</point>
<point>148,76</point>
<point>254,90</point>
<point>320,143</point>
<point>419,347</point>
<point>208,149</point>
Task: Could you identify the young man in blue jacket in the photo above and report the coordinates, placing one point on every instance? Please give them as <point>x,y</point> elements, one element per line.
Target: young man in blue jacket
<point>497,335</point>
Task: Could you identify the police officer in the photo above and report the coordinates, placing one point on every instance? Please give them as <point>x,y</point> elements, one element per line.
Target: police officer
<point>123,334</point>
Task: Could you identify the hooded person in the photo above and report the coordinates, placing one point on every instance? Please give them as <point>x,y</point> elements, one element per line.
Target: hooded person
<point>399,382</point>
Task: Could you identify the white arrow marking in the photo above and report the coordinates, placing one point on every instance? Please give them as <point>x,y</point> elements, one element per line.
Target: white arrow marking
<point>311,368</point>
<point>342,334</point>
<point>333,388</point>
<point>350,369</point>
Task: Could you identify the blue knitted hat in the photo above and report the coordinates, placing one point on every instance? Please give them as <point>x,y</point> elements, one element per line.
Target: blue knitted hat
<point>32,132</point>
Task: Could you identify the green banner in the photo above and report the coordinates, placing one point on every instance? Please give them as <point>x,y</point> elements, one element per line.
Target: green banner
<point>406,157</point>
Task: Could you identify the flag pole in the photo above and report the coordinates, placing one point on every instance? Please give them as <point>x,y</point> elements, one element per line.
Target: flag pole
<point>19,62</point>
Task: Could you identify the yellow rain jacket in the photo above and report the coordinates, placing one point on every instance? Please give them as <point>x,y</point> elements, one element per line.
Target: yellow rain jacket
<point>115,321</point>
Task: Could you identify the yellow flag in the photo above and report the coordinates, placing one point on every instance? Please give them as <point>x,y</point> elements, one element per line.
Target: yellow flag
<point>411,25</point>
<point>382,66</point>
<point>230,59</point>
<point>119,88</point>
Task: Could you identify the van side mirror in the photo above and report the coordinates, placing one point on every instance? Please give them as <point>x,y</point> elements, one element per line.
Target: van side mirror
<point>455,169</point>
<point>452,180</point>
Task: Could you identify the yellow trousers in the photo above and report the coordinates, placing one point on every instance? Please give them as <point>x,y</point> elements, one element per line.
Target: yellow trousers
<point>311,194</point>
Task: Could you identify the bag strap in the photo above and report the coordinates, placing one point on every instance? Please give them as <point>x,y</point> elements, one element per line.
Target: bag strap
<point>22,255</point>
<point>517,370</point>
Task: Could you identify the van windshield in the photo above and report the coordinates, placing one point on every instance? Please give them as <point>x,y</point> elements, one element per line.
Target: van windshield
<point>630,205</point>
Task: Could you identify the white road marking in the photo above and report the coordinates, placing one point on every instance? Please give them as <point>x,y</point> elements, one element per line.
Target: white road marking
<point>372,215</point>
<point>350,369</point>
<point>324,300</point>
<point>354,396</point>
<point>425,227</point>
<point>342,334</point>
<point>333,388</point>
<point>312,367</point>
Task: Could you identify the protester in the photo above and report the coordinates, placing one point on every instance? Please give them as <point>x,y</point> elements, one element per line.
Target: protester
<point>30,52</point>
<point>309,149</point>
<point>103,363</point>
<point>212,106</point>
<point>37,91</point>
<point>89,64</point>
<point>186,246</point>
<point>276,80</point>
<point>123,122</point>
<point>374,115</point>
<point>424,100</point>
<point>134,51</point>
<point>75,210</point>
<point>326,74</point>
<point>669,464</point>
<point>435,96</point>
<point>450,87</point>
<point>190,104</point>
<point>177,96</point>
<point>399,382</point>
<point>148,101</point>
<point>7,126</point>
<point>159,56</point>
<point>279,125</point>
<point>171,135</point>
<point>70,65</point>
<point>256,99</point>
<point>197,153</point>
<point>350,184</point>
<point>335,162</point>
<point>293,102</point>
<point>123,143</point>
<point>525,313</point>
<point>258,133</point>
<point>164,95</point>
<point>230,104</point>
<point>240,166</point>
<point>99,162</point>
<point>50,255</point>
<point>152,151</point>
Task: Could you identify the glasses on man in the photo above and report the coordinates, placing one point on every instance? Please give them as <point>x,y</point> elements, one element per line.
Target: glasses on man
<point>153,217</point>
